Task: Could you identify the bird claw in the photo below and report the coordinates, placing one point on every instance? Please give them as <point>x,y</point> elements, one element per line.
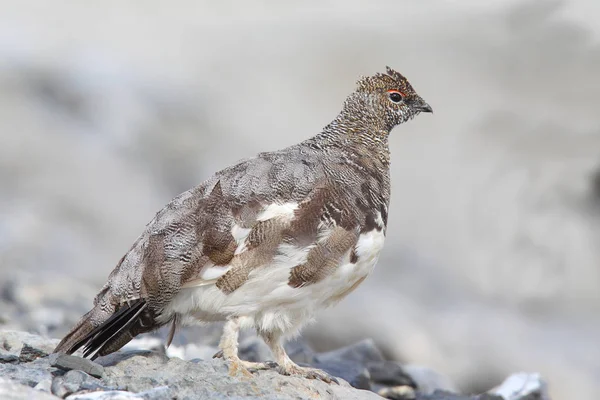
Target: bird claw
<point>236,367</point>
<point>309,373</point>
<point>260,366</point>
<point>218,354</point>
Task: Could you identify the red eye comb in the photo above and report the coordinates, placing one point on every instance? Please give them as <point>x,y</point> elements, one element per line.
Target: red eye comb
<point>396,91</point>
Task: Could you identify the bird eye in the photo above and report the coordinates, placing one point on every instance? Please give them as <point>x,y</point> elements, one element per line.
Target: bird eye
<point>395,96</point>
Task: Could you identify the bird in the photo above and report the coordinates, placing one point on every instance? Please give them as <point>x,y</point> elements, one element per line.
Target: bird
<point>264,243</point>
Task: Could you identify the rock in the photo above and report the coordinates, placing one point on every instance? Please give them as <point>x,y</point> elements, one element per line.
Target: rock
<point>189,379</point>
<point>113,359</point>
<point>10,390</point>
<point>45,385</point>
<point>355,374</point>
<point>29,353</point>
<point>10,348</point>
<point>68,362</point>
<point>26,345</point>
<point>427,380</point>
<point>255,349</point>
<point>299,351</point>
<point>29,374</point>
<point>75,381</point>
<point>398,393</point>
<point>350,362</point>
<point>362,353</point>
<point>444,395</point>
<point>108,395</point>
<point>7,356</point>
<point>153,375</point>
<point>390,373</point>
<point>523,386</point>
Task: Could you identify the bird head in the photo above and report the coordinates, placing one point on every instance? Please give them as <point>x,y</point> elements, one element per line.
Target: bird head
<point>387,99</point>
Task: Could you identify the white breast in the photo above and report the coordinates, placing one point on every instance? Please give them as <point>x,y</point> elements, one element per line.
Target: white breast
<point>267,299</point>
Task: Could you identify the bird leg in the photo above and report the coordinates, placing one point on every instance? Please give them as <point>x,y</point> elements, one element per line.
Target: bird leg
<point>287,366</point>
<point>229,351</point>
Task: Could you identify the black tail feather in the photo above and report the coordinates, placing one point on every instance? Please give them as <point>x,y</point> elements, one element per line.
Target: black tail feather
<point>118,329</point>
<point>120,322</point>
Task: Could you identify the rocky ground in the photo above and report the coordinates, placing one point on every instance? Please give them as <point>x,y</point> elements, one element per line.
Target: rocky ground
<point>146,370</point>
<point>107,111</point>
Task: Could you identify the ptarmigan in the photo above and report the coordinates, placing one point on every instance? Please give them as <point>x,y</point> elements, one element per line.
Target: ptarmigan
<point>265,243</point>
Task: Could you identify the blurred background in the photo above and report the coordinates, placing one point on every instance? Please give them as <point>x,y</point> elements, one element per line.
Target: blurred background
<point>492,263</point>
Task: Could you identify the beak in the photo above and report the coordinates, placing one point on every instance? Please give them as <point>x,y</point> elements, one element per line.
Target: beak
<point>423,107</point>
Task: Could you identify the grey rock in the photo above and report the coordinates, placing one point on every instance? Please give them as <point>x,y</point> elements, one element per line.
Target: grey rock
<point>429,380</point>
<point>113,359</point>
<point>44,385</point>
<point>398,393</point>
<point>523,386</point>
<point>152,375</point>
<point>300,352</point>
<point>210,379</point>
<point>350,362</point>
<point>8,356</point>
<point>390,373</point>
<point>10,348</point>
<point>75,381</point>
<point>255,349</point>
<point>361,352</point>
<point>355,374</point>
<point>26,345</point>
<point>61,389</point>
<point>10,390</point>
<point>29,374</point>
<point>444,395</point>
<point>68,362</point>
<point>29,353</point>
<point>108,395</point>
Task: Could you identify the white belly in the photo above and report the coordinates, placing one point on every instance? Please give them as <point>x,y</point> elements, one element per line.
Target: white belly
<point>267,300</point>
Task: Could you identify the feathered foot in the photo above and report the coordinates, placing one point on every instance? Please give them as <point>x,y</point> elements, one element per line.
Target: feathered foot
<point>287,366</point>
<point>229,352</point>
<point>249,365</point>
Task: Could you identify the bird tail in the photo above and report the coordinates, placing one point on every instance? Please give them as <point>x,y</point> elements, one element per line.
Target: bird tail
<point>101,333</point>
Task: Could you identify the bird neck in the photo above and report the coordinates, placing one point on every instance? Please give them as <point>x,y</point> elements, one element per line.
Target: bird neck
<point>361,132</point>
<point>359,125</point>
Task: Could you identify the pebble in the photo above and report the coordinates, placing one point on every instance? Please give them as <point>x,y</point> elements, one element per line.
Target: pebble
<point>398,393</point>
<point>523,386</point>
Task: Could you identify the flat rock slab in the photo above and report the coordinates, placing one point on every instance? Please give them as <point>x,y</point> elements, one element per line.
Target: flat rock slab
<point>67,362</point>
<point>211,380</point>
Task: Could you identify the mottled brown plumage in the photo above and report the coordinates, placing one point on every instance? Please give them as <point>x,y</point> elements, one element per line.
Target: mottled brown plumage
<point>265,242</point>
